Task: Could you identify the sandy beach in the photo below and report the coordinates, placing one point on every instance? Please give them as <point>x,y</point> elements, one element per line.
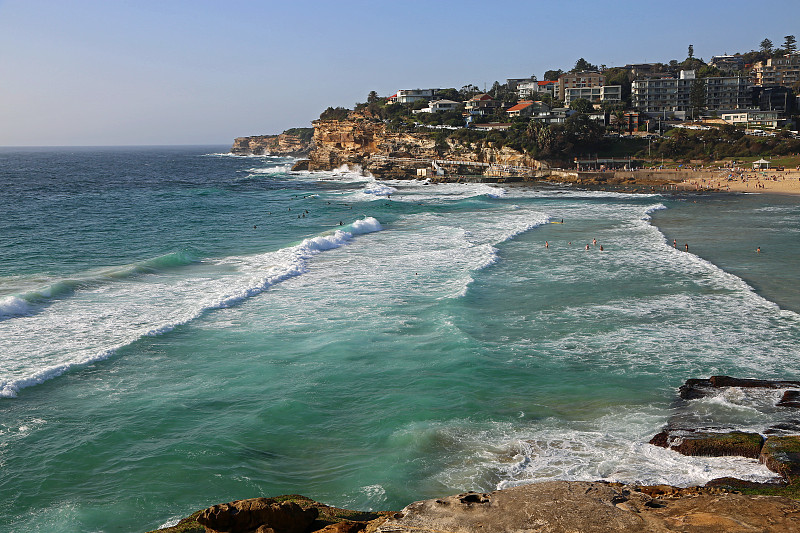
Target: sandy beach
<point>770,181</point>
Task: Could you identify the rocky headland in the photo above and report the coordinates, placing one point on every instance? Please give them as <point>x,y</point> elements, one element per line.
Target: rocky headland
<point>290,143</point>
<point>722,505</point>
<point>370,144</point>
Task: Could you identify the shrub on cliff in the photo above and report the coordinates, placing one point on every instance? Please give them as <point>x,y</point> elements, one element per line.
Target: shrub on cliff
<point>337,113</point>
<point>304,134</point>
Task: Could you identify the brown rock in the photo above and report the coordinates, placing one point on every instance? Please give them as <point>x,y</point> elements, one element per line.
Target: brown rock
<point>710,444</point>
<point>790,398</point>
<point>367,143</point>
<point>263,514</point>
<point>561,506</point>
<point>287,144</point>
<point>699,388</point>
<point>781,454</point>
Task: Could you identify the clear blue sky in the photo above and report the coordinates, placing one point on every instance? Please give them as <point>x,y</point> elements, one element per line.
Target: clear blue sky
<point>117,72</point>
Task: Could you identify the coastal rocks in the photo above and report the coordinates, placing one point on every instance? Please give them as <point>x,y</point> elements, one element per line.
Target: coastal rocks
<point>561,506</point>
<point>700,388</point>
<point>781,454</point>
<point>301,165</point>
<point>780,451</point>
<point>369,144</point>
<point>790,398</point>
<point>710,444</point>
<point>288,144</point>
<point>258,515</point>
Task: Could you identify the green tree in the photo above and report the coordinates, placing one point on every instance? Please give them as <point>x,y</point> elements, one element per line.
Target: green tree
<point>372,97</point>
<point>697,97</point>
<point>338,113</point>
<point>790,44</point>
<point>553,75</point>
<point>691,52</point>
<point>449,94</point>
<point>707,71</point>
<point>582,65</point>
<point>766,47</point>
<point>468,91</point>
<point>581,105</point>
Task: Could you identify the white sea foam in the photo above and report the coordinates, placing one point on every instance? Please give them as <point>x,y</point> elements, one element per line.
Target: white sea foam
<point>277,169</point>
<point>12,306</point>
<point>612,448</point>
<point>379,189</point>
<point>95,324</point>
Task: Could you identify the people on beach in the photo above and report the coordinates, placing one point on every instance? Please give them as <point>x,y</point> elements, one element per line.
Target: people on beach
<point>594,242</point>
<point>587,247</point>
<point>601,247</point>
<point>686,246</point>
<point>674,243</point>
<point>758,250</point>
<point>546,244</point>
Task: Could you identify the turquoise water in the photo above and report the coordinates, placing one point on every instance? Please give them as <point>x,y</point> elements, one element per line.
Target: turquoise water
<point>172,335</point>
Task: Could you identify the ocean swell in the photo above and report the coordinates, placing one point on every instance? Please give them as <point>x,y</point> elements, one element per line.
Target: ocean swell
<point>95,327</point>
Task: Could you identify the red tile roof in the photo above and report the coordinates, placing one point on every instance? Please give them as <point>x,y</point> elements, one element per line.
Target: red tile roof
<point>520,106</point>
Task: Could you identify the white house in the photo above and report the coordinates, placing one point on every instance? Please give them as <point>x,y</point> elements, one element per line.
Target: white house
<point>435,106</point>
<point>407,96</point>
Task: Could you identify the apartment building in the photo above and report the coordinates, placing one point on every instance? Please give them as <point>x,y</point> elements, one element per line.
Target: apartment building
<point>727,63</point>
<point>596,94</point>
<point>573,80</point>
<point>659,95</point>
<point>778,71</point>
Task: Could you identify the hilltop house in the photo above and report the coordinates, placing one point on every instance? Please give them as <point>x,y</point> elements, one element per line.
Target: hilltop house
<point>435,106</point>
<point>407,96</point>
<point>527,108</point>
<point>530,89</point>
<point>482,104</point>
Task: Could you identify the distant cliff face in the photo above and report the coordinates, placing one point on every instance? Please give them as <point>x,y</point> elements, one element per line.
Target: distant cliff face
<point>367,142</point>
<point>284,144</point>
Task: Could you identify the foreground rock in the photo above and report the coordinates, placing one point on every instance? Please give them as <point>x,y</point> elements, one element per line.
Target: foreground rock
<point>561,506</point>
<point>258,514</point>
<point>283,514</point>
<point>550,507</point>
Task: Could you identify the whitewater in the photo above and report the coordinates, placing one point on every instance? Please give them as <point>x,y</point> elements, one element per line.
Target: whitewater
<point>180,327</point>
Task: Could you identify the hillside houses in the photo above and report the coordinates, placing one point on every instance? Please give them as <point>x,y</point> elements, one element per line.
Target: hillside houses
<point>726,89</point>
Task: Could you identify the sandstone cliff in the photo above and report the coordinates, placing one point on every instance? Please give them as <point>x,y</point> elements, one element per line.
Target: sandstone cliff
<point>288,144</point>
<point>369,143</point>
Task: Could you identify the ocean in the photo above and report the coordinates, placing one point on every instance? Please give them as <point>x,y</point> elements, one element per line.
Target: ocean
<point>180,327</point>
